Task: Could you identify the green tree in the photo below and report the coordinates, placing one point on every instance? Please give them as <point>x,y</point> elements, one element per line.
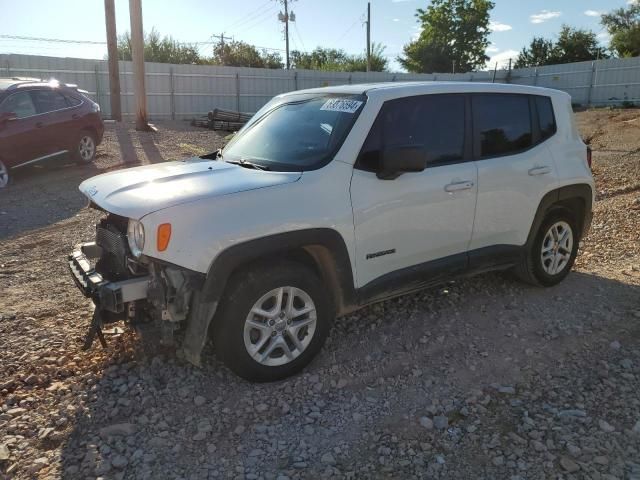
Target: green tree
<point>379,62</point>
<point>623,24</point>
<point>331,59</point>
<point>319,59</point>
<point>537,54</point>
<point>241,54</point>
<point>162,50</point>
<point>454,35</point>
<point>573,45</point>
<point>577,45</point>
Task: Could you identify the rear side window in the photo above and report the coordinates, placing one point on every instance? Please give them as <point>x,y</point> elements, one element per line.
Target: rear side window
<point>48,100</point>
<point>20,104</point>
<point>546,118</point>
<point>434,122</point>
<point>502,124</point>
<point>72,101</point>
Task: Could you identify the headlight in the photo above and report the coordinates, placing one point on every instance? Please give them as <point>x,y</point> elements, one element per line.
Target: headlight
<point>135,235</point>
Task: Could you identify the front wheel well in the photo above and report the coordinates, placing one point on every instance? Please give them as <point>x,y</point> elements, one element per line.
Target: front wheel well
<point>319,259</point>
<point>91,130</point>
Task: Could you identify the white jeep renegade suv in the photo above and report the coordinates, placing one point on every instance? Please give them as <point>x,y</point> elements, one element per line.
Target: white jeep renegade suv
<point>331,199</point>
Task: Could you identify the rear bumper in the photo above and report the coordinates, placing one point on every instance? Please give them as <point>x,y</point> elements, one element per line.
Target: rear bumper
<point>110,296</point>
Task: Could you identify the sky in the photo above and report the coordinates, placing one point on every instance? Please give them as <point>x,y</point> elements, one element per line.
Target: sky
<point>327,23</point>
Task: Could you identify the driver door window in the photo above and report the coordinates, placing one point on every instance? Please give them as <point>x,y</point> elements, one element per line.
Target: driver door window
<point>433,122</point>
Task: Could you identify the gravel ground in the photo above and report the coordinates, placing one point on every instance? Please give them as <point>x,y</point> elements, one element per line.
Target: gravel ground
<point>480,378</point>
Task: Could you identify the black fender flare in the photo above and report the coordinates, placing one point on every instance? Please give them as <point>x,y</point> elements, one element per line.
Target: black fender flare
<point>325,246</point>
<point>581,191</point>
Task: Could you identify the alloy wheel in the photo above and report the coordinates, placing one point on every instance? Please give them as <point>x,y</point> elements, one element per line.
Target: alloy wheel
<point>280,326</point>
<point>86,148</point>
<point>4,175</point>
<point>557,246</point>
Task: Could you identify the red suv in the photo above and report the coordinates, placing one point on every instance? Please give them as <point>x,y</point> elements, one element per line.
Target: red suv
<point>41,120</point>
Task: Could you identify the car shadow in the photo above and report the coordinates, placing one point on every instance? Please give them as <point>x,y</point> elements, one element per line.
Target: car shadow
<point>42,194</point>
<point>139,419</point>
<point>45,193</point>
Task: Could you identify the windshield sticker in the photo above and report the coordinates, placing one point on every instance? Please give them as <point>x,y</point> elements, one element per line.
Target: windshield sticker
<point>341,105</point>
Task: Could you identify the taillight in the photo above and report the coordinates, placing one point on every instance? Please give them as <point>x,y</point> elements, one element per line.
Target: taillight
<point>589,157</point>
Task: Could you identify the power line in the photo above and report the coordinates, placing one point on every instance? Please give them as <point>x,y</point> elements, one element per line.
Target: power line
<point>258,20</point>
<point>295,25</point>
<point>53,40</point>
<point>258,11</point>
<point>254,16</point>
<point>9,38</point>
<point>349,29</point>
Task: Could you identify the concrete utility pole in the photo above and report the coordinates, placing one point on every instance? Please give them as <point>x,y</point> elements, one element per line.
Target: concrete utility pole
<point>112,51</point>
<point>368,36</point>
<point>137,54</point>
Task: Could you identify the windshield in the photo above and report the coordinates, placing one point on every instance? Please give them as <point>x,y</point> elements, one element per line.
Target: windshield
<point>296,132</point>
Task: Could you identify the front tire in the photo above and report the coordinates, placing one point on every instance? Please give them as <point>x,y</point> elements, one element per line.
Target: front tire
<point>274,319</point>
<point>551,256</point>
<point>4,175</point>
<point>84,150</point>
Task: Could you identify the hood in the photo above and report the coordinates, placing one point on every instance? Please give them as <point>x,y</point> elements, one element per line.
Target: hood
<point>136,192</point>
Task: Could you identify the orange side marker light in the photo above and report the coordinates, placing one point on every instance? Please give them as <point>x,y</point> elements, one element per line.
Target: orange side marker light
<point>164,236</point>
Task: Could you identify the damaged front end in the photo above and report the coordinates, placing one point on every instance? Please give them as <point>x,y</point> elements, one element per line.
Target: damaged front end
<point>134,289</point>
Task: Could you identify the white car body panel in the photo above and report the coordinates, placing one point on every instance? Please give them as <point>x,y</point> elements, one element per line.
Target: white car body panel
<point>204,228</point>
<point>567,147</point>
<point>508,196</point>
<point>135,192</point>
<point>412,215</point>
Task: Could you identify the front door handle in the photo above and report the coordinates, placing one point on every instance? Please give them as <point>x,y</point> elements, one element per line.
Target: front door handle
<point>539,170</point>
<point>39,125</point>
<point>75,116</point>
<point>458,186</point>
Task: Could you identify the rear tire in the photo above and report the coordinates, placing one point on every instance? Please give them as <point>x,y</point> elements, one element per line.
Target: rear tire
<point>273,320</point>
<point>550,257</point>
<point>84,148</point>
<point>5,176</point>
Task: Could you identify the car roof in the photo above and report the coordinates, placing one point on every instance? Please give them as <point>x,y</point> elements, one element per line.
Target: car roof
<point>388,90</point>
<point>14,83</point>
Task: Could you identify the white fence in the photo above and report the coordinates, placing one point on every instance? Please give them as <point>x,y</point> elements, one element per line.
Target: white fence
<point>186,91</point>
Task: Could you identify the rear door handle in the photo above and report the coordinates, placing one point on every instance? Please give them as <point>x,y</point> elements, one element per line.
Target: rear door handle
<point>39,125</point>
<point>539,170</point>
<point>458,186</point>
<point>75,116</point>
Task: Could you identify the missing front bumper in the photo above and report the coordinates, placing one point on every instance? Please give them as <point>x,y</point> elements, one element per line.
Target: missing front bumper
<point>109,296</point>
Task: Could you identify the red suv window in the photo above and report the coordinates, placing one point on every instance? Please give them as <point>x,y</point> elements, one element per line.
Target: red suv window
<point>48,100</point>
<point>20,104</point>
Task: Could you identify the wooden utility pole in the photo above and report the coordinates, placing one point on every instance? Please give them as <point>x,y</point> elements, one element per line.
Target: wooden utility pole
<point>287,17</point>
<point>286,29</point>
<point>368,36</point>
<point>137,54</point>
<point>112,52</point>
<point>222,39</point>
